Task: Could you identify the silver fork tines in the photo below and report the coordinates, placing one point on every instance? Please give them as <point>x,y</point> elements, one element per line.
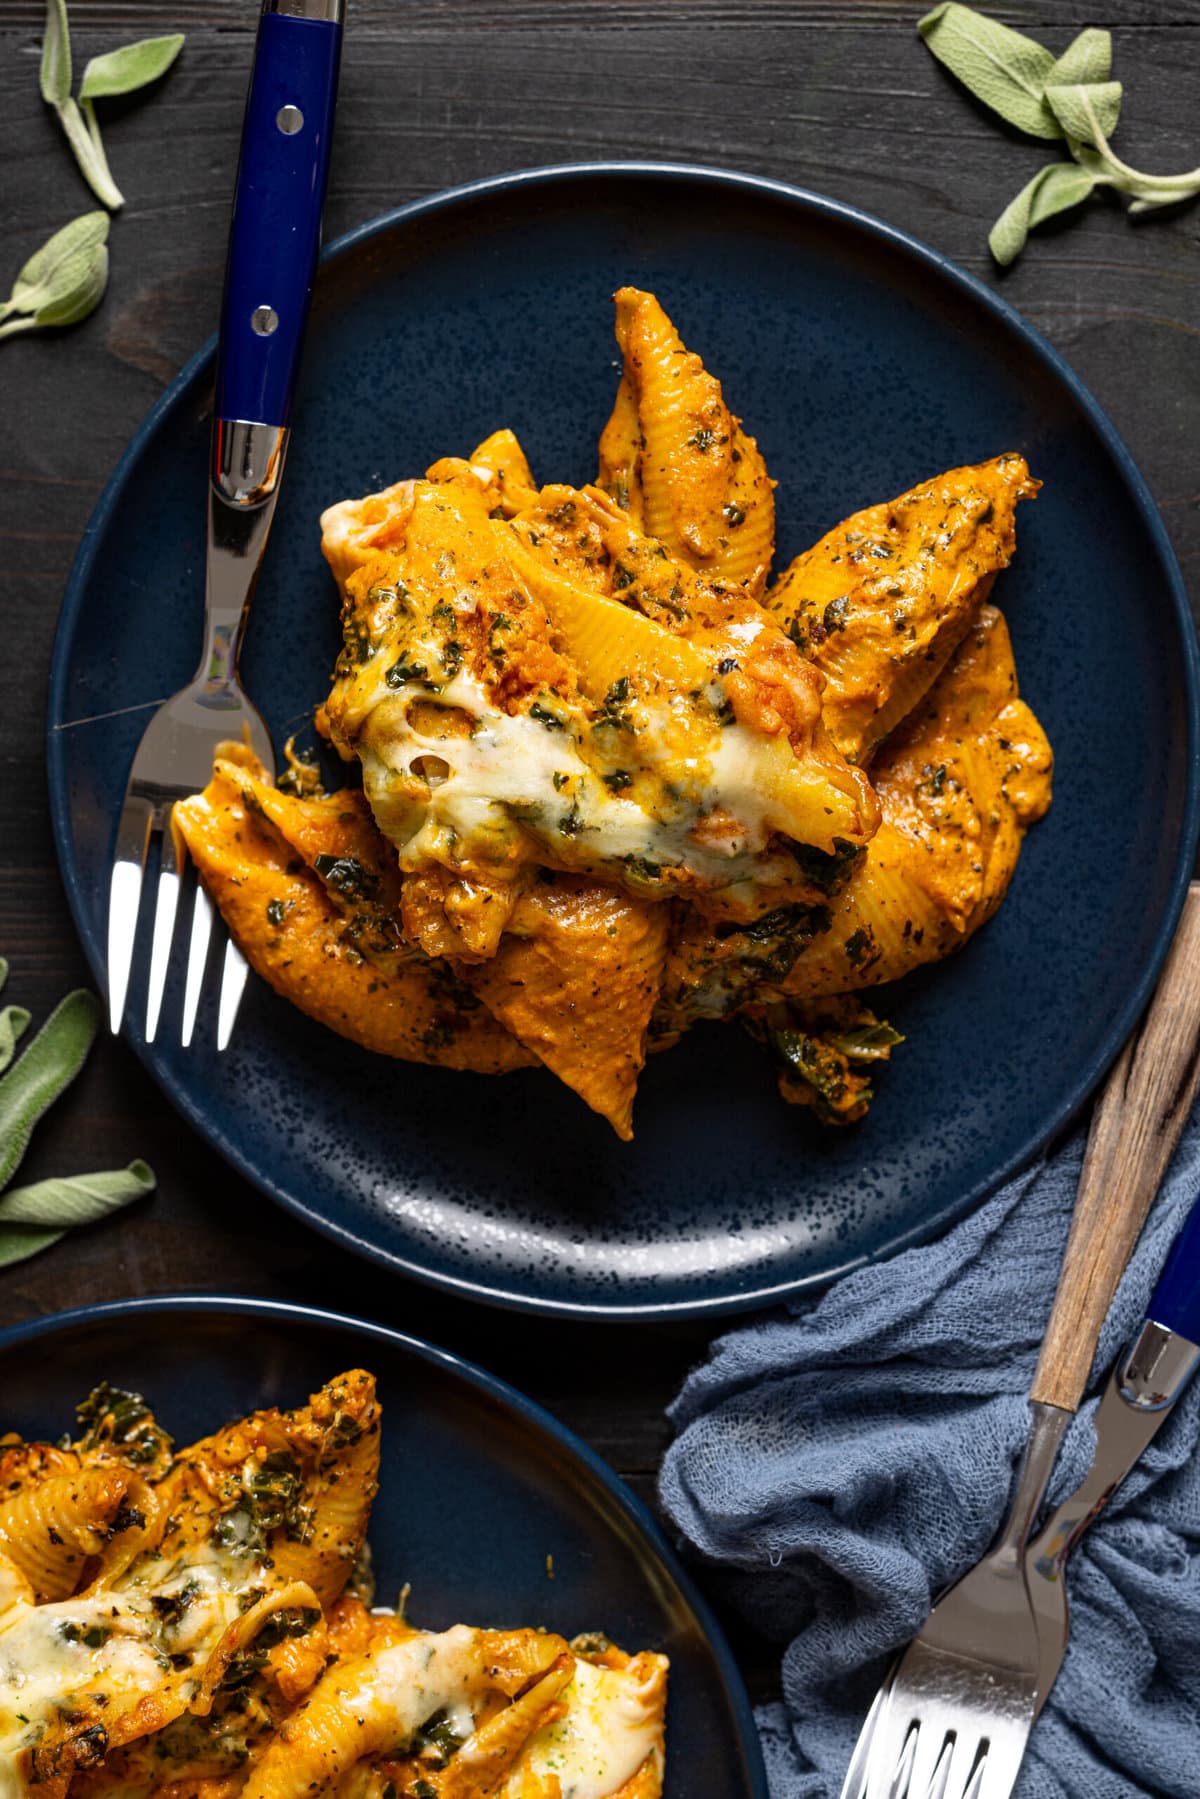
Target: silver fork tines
<point>124,898</point>
<point>233,983</point>
<point>175,756</point>
<point>950,1732</point>
<point>955,1713</point>
<point>166,905</point>
<point>198,942</point>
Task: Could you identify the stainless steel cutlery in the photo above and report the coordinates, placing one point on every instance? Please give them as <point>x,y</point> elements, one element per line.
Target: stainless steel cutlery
<point>1141,1392</point>
<point>952,1718</point>
<point>273,243</point>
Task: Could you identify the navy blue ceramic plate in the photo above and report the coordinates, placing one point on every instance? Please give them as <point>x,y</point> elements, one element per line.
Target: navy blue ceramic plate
<point>863,363</point>
<point>501,1487</point>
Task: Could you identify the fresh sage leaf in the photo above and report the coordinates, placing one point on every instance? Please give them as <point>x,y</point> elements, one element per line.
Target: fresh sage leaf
<point>76,1199</point>
<point>1006,71</point>
<point>35,1216</point>
<point>117,72</point>
<point>14,1022</point>
<point>56,55</point>
<point>37,1078</point>
<point>98,173</point>
<point>18,1242</point>
<point>63,281</point>
<point>84,139</point>
<point>1072,96</point>
<point>1088,112</point>
<point>56,92</point>
<point>135,65</point>
<point>1088,60</point>
<point>1053,189</point>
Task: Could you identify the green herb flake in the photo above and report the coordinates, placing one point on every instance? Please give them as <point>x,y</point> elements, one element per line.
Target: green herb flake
<point>113,1416</point>
<point>402,672</point>
<point>91,1636</point>
<point>275,1493</point>
<point>437,1739</point>
<point>858,947</point>
<point>867,1042</point>
<point>347,876</point>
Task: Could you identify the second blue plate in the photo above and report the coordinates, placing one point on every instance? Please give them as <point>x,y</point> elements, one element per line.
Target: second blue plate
<point>492,1511</point>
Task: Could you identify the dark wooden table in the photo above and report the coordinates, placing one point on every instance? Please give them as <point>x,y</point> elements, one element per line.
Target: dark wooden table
<point>836,95</point>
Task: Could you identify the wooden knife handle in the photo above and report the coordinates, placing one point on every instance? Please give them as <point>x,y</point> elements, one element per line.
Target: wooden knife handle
<point>1135,1128</point>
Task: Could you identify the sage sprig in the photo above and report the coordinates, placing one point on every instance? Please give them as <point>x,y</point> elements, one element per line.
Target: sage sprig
<point>1071,97</point>
<point>35,1216</point>
<point>121,71</point>
<point>63,281</point>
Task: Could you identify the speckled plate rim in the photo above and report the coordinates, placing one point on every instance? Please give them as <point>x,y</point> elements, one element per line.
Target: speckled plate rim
<point>1118,1026</point>
<point>642,1524</point>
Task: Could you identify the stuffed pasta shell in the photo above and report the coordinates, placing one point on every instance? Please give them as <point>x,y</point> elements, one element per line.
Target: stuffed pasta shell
<point>614,782</point>
<point>551,690</point>
<point>233,1650</point>
<point>883,601</point>
<point>677,460</point>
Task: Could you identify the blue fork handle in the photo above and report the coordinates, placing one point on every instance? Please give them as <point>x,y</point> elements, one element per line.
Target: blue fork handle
<point>1176,1301</point>
<point>276,228</point>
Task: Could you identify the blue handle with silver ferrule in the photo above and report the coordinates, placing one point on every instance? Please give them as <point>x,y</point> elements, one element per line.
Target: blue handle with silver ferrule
<point>1165,1354</point>
<point>1176,1301</point>
<point>275,233</point>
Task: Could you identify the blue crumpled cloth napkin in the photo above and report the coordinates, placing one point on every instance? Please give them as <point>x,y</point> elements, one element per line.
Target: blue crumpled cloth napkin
<point>841,1461</point>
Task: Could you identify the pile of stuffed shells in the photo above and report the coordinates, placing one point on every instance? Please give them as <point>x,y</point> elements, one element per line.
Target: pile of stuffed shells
<point>198,1623</point>
<point>612,778</point>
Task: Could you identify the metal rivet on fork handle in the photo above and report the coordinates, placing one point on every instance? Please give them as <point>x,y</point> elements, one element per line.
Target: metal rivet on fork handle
<point>273,243</point>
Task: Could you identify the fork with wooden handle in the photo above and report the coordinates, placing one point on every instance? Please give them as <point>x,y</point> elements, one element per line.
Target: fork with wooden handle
<point>953,1718</point>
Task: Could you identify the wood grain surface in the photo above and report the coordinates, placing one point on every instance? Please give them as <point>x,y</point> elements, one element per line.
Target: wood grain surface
<point>1145,1104</point>
<point>837,95</point>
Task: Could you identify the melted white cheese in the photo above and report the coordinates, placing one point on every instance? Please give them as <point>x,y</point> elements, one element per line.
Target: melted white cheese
<point>406,1683</point>
<point>45,1657</point>
<point>612,1724</point>
<point>512,775</point>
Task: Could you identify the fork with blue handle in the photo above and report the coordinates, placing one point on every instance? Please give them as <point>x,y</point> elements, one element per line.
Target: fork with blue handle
<point>273,243</point>
<point>1141,1394</point>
